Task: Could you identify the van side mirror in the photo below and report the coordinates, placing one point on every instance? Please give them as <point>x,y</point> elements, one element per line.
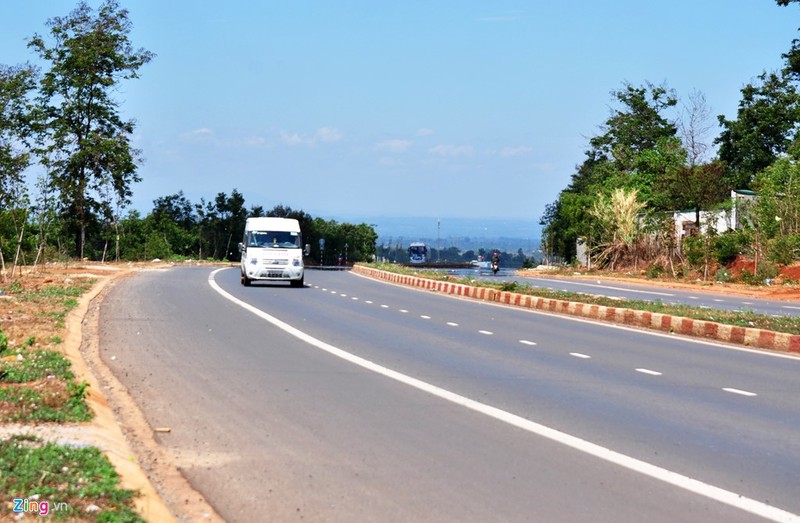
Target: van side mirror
<point>241,247</point>
<point>307,249</point>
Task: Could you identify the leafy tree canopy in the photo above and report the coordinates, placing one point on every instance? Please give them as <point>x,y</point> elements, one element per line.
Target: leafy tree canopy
<point>84,142</point>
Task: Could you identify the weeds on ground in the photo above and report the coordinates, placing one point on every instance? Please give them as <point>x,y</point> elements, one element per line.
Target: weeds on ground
<point>36,383</point>
<point>62,482</point>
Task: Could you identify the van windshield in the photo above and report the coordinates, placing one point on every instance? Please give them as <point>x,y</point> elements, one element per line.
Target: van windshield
<point>275,240</point>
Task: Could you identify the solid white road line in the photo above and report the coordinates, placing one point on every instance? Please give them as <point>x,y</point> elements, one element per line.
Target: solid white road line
<point>648,371</point>
<point>673,478</point>
<point>584,284</point>
<point>739,392</point>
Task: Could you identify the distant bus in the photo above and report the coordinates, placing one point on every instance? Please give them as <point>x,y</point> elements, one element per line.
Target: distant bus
<point>418,253</point>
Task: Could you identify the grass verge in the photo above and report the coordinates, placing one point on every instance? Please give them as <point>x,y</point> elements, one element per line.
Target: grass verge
<point>62,482</point>
<point>37,385</point>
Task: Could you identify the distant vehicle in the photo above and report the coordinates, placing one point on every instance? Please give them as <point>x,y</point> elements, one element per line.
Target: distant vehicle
<point>418,253</point>
<point>272,249</point>
<point>480,263</point>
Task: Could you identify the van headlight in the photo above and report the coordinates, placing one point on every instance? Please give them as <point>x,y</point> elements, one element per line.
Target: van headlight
<point>296,261</point>
<point>253,261</point>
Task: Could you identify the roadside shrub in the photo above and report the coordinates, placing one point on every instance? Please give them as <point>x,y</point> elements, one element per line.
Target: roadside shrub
<point>510,286</point>
<point>766,271</point>
<point>156,246</point>
<point>693,250</point>
<point>655,270</point>
<point>723,275</point>
<point>747,277</point>
<point>784,249</point>
<point>729,245</point>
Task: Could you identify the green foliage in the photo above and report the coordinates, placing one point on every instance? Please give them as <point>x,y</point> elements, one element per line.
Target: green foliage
<point>693,250</point>
<point>784,250</point>
<point>15,113</point>
<point>637,149</point>
<point>723,275</point>
<point>729,245</point>
<point>156,246</point>
<point>84,143</point>
<point>766,125</point>
<point>655,271</point>
<point>36,366</point>
<point>75,476</point>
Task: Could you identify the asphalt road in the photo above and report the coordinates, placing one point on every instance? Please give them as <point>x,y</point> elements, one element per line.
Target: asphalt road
<point>355,400</point>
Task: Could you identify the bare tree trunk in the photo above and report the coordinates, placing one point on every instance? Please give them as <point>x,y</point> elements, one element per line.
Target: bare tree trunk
<point>2,263</point>
<point>19,248</point>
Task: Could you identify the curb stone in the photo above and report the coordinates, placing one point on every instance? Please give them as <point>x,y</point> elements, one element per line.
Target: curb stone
<point>759,338</point>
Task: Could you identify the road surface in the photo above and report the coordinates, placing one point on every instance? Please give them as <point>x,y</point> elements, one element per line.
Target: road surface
<point>356,400</point>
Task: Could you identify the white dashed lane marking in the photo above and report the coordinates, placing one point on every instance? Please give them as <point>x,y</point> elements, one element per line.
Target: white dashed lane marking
<point>580,355</point>
<point>740,392</point>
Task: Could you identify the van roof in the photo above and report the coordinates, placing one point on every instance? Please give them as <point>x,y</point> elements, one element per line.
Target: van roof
<point>272,224</point>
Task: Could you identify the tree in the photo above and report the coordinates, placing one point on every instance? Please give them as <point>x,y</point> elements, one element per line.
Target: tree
<point>637,148</point>
<point>15,84</point>
<point>84,143</point>
<point>766,125</point>
<point>696,183</point>
<point>776,212</point>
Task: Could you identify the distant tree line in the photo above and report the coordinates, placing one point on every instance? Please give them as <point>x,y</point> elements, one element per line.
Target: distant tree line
<point>645,164</point>
<point>398,253</point>
<point>177,229</point>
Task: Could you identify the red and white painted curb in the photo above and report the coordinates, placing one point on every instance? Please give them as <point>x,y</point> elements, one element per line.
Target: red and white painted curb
<point>764,339</point>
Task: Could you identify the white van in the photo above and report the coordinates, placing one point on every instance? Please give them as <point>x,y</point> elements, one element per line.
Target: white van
<point>272,249</point>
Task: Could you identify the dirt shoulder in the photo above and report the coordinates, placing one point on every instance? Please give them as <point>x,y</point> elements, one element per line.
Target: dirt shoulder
<point>163,486</point>
<point>118,428</point>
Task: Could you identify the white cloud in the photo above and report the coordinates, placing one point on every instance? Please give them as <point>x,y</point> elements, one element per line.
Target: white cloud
<point>293,139</point>
<point>328,134</point>
<point>506,152</point>
<point>424,132</point>
<point>202,132</point>
<point>385,161</point>
<point>451,150</point>
<point>393,146</point>
<point>323,134</point>
<point>254,141</point>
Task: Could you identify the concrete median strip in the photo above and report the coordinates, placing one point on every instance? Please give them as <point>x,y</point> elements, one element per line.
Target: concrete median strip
<point>757,338</point>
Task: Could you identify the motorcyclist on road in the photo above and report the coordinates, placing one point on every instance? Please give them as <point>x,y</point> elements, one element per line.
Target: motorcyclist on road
<point>495,262</point>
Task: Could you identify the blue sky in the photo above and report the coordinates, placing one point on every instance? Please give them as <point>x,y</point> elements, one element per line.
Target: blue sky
<point>360,109</point>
